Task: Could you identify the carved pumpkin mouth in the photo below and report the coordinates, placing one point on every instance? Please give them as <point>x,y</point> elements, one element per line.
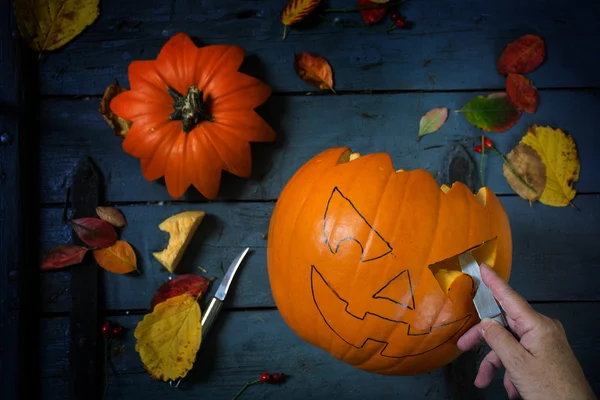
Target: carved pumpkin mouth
<point>394,338</point>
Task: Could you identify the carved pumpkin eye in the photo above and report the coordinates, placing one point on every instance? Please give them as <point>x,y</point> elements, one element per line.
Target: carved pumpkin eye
<point>350,245</point>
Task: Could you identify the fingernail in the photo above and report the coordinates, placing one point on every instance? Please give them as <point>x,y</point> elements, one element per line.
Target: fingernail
<point>486,323</point>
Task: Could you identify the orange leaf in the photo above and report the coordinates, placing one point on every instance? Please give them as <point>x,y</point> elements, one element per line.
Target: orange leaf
<point>296,10</point>
<point>118,258</point>
<point>522,93</point>
<point>112,216</point>
<point>94,232</point>
<point>314,69</point>
<point>63,256</point>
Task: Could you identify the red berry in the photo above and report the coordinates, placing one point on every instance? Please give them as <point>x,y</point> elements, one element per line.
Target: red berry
<point>117,330</point>
<point>477,148</point>
<point>278,377</point>
<point>395,16</point>
<point>487,143</point>
<point>400,22</point>
<point>265,377</point>
<point>107,329</point>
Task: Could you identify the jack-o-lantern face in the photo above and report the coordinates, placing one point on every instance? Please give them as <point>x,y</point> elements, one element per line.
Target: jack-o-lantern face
<point>350,245</point>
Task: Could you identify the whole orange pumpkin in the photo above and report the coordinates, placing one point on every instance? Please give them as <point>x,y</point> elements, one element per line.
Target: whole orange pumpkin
<point>193,115</point>
<point>350,245</point>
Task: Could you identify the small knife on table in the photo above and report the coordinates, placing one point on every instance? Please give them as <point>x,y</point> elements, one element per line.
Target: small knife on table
<point>214,307</point>
<point>212,311</point>
<point>484,300</point>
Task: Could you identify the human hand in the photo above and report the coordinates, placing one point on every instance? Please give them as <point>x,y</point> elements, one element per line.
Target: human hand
<point>538,360</point>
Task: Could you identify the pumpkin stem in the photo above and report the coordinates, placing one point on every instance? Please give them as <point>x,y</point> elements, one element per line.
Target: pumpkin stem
<point>190,109</point>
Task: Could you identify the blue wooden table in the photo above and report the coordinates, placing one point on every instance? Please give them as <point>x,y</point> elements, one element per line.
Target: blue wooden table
<point>385,83</point>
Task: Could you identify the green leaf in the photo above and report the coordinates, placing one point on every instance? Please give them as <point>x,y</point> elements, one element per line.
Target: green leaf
<point>432,121</point>
<point>495,113</point>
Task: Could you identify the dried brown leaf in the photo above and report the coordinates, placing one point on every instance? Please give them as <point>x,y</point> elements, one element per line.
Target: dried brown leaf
<point>314,69</point>
<point>111,215</point>
<point>120,126</point>
<point>528,165</point>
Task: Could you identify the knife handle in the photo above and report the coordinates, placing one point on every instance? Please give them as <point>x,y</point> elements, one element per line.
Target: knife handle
<point>210,315</point>
<point>501,319</point>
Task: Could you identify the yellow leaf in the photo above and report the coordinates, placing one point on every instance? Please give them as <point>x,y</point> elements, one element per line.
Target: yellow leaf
<point>118,258</point>
<point>49,24</point>
<point>181,228</point>
<point>558,158</point>
<point>169,337</point>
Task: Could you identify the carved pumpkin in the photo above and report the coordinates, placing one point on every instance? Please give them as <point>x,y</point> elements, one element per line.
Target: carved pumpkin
<point>350,245</point>
<point>193,115</point>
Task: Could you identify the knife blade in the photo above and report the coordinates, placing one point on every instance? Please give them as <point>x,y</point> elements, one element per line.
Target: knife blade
<point>212,311</point>
<point>484,300</point>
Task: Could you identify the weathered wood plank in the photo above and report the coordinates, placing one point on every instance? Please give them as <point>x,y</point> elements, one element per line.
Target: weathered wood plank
<point>307,126</point>
<point>554,252</point>
<point>452,46</point>
<point>228,359</point>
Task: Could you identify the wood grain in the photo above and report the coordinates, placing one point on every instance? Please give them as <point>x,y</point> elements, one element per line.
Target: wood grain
<point>228,359</point>
<point>307,126</point>
<point>451,46</point>
<point>554,252</point>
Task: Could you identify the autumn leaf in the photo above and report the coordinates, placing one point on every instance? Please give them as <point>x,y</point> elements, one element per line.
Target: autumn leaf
<point>169,337</point>
<point>112,216</point>
<point>494,113</point>
<point>525,172</point>
<point>191,284</point>
<point>522,93</point>
<point>522,56</point>
<point>120,126</point>
<point>371,15</point>
<point>432,121</point>
<point>63,256</point>
<point>295,11</point>
<point>314,69</point>
<point>94,232</point>
<point>118,258</point>
<point>547,160</point>
<point>380,1</point>
<point>49,24</point>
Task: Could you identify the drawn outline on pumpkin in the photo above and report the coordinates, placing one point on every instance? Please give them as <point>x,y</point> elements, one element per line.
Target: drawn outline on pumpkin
<point>328,321</point>
<point>336,195</point>
<point>328,240</point>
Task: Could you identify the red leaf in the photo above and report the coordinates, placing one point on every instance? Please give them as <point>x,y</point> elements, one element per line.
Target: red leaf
<point>522,56</point>
<point>372,15</point>
<point>191,284</point>
<point>63,256</point>
<point>94,232</point>
<point>522,93</point>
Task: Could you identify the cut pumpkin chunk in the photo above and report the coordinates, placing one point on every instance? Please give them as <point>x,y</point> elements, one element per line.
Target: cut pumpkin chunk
<point>445,278</point>
<point>181,228</point>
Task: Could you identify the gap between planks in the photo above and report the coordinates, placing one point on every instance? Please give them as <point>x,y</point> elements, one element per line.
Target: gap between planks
<point>357,92</point>
<point>163,203</point>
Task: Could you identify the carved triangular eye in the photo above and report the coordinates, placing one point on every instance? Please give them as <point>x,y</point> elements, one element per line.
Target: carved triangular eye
<point>355,227</point>
<point>399,290</point>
